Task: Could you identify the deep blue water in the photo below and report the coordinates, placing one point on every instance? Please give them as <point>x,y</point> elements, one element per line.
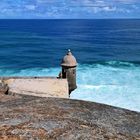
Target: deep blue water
<point>108,53</point>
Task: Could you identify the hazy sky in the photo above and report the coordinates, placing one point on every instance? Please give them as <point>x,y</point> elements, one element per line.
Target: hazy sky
<point>69,8</point>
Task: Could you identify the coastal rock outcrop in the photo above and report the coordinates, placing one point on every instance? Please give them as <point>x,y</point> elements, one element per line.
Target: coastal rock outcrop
<point>3,87</point>
<point>29,117</point>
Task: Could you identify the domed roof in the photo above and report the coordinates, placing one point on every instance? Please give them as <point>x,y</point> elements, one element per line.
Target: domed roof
<point>69,60</point>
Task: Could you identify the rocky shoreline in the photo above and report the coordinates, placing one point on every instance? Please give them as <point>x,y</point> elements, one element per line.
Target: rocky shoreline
<point>27,117</point>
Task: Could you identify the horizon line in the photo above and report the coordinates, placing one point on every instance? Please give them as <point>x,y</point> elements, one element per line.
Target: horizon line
<point>68,18</point>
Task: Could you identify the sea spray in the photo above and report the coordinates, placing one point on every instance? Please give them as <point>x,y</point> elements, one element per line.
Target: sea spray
<point>115,83</point>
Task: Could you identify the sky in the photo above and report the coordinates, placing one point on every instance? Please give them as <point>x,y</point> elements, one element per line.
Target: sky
<point>69,9</point>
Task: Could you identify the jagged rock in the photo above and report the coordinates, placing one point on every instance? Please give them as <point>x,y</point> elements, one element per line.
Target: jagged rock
<point>3,87</point>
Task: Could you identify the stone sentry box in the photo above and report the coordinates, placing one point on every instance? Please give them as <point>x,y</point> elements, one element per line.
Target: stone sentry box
<point>60,86</point>
<point>69,64</point>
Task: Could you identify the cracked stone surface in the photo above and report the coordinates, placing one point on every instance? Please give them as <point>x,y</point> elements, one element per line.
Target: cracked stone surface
<point>25,117</point>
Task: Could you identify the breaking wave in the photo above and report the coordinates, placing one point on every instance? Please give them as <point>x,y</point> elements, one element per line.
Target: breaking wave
<point>114,83</point>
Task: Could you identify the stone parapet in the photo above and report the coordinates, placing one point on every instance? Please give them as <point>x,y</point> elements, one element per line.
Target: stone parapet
<point>37,86</point>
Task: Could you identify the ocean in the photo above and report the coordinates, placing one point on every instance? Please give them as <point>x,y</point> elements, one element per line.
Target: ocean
<point>107,51</point>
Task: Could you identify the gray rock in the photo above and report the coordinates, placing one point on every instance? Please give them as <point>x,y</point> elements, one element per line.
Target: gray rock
<point>28,117</point>
<point>3,87</point>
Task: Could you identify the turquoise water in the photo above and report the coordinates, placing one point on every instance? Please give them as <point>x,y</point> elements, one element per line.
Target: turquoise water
<point>108,84</point>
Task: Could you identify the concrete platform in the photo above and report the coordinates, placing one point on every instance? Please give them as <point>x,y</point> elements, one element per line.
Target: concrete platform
<point>38,86</point>
<point>26,117</point>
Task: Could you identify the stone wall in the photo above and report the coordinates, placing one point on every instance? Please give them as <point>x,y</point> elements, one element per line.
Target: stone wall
<point>37,86</point>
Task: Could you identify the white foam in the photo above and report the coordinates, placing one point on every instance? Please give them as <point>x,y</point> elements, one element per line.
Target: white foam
<point>117,86</point>
<point>31,72</point>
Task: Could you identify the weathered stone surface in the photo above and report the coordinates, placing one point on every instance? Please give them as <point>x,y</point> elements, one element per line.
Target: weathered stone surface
<point>38,86</point>
<point>3,87</point>
<point>28,117</point>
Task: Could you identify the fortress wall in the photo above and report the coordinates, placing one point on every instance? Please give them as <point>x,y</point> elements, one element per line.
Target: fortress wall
<point>38,86</point>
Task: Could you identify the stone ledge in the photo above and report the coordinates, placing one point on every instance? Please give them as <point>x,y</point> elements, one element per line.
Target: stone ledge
<point>28,117</point>
<point>37,86</point>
